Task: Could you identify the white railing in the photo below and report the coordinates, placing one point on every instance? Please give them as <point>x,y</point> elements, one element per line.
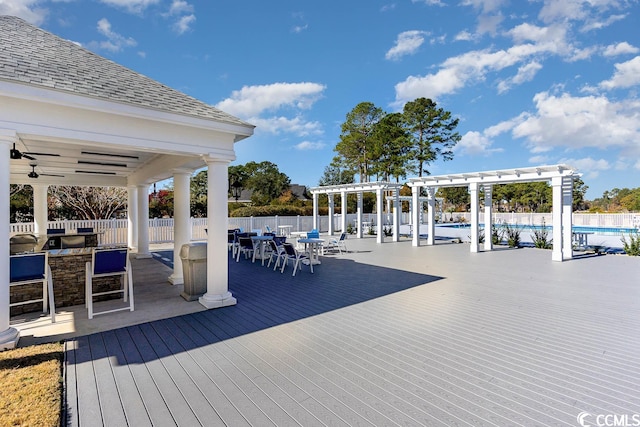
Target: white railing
<point>114,231</point>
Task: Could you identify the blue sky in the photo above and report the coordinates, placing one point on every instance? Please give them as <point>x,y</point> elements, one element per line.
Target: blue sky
<point>533,82</point>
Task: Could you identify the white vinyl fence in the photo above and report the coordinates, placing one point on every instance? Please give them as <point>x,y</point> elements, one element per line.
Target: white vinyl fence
<point>114,231</point>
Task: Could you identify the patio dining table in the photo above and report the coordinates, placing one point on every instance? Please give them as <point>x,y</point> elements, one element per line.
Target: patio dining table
<point>312,246</point>
<point>259,245</point>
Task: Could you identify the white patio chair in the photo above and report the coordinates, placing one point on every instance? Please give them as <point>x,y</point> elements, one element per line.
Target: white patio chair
<point>338,243</point>
<point>33,268</point>
<point>296,257</point>
<point>109,263</point>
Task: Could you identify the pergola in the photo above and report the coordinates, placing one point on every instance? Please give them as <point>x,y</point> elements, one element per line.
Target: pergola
<point>372,187</point>
<point>75,118</point>
<point>561,177</point>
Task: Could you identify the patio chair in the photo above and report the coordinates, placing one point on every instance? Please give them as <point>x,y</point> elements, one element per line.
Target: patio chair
<point>27,269</point>
<point>313,234</point>
<point>21,243</point>
<point>109,263</point>
<point>276,252</point>
<point>296,257</point>
<point>245,246</point>
<point>338,243</point>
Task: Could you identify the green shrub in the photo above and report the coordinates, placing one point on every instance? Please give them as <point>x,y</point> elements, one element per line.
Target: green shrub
<point>632,247</point>
<point>541,238</point>
<point>513,235</point>
<point>497,234</point>
<point>269,210</point>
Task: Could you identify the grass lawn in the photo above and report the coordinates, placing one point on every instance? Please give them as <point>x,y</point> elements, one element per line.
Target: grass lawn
<point>31,386</point>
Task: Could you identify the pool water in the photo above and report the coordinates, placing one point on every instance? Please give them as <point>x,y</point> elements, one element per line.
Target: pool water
<point>611,231</point>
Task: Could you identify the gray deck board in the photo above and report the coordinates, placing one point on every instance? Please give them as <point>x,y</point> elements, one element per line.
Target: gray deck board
<point>385,335</point>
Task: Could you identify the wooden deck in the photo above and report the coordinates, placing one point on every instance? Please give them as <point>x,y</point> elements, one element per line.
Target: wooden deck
<point>385,335</point>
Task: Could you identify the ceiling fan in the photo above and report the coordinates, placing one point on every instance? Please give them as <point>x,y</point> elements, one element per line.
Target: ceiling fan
<point>17,155</point>
<point>33,174</point>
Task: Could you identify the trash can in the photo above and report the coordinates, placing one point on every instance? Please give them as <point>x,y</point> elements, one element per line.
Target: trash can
<point>194,270</point>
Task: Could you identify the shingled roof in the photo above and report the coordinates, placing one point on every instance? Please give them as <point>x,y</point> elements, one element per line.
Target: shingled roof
<point>32,56</point>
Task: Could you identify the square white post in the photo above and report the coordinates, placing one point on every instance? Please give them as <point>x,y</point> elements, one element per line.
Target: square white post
<point>415,215</point>
<point>343,211</point>
<point>331,212</point>
<point>379,215</point>
<point>473,190</point>
<point>359,215</point>
<point>567,220</point>
<point>396,215</point>
<point>488,225</point>
<point>431,214</point>
<point>556,215</point>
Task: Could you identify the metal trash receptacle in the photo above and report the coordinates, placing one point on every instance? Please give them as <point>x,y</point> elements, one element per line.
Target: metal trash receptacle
<point>194,270</point>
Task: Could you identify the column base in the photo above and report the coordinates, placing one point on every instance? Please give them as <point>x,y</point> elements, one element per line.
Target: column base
<point>143,255</point>
<point>9,339</point>
<point>216,301</point>
<point>176,279</point>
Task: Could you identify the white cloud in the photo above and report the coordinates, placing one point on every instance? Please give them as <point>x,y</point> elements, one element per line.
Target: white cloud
<point>526,73</point>
<point>179,7</point>
<point>627,74</point>
<point>131,6</point>
<point>254,100</point>
<point>619,49</point>
<point>28,10</point>
<point>489,23</point>
<point>279,124</point>
<point>115,42</point>
<point>464,35</point>
<point>407,43</point>
<point>310,146</point>
<point>183,24</point>
<point>591,168</point>
<point>430,2</point>
<point>255,103</point>
<point>485,5</point>
<point>539,160</point>
<point>575,123</point>
<point>300,28</point>
<point>475,143</point>
<point>596,24</point>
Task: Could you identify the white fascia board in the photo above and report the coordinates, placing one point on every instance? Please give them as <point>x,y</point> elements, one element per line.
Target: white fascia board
<point>55,97</point>
<point>85,180</point>
<point>355,188</point>
<point>505,176</point>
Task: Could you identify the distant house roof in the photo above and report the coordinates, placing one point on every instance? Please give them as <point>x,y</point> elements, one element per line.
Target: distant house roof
<point>298,191</point>
<point>30,55</point>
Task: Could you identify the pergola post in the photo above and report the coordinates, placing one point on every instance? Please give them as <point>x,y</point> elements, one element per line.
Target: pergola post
<point>359,215</point>
<point>473,190</point>
<point>488,224</point>
<point>431,213</point>
<point>217,294</point>
<point>132,217</point>
<point>331,205</point>
<point>8,336</point>
<point>40,208</point>
<point>415,215</point>
<point>379,215</point>
<point>556,215</point>
<point>343,211</point>
<point>396,214</point>
<point>315,211</point>
<point>567,217</point>
<point>181,221</point>
<point>143,221</point>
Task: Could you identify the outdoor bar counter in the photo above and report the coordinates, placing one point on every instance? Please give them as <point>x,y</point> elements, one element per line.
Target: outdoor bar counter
<point>68,274</point>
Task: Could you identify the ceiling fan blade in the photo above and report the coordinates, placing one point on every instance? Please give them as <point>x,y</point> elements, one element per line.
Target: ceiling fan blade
<point>40,154</point>
<point>26,156</point>
<point>51,174</point>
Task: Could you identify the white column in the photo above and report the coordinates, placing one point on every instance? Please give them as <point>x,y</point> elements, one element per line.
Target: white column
<point>331,203</point>
<point>181,221</point>
<point>567,218</point>
<point>415,215</point>
<point>488,202</point>
<point>359,215</point>
<point>143,221</point>
<point>473,190</point>
<point>8,336</point>
<point>431,214</point>
<point>217,294</point>
<point>315,212</point>
<point>343,211</point>
<point>40,208</point>
<point>397,207</point>
<point>556,216</point>
<point>132,217</point>
<point>379,215</point>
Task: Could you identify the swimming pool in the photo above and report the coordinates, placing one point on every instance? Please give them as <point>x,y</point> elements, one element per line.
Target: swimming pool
<point>607,231</point>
